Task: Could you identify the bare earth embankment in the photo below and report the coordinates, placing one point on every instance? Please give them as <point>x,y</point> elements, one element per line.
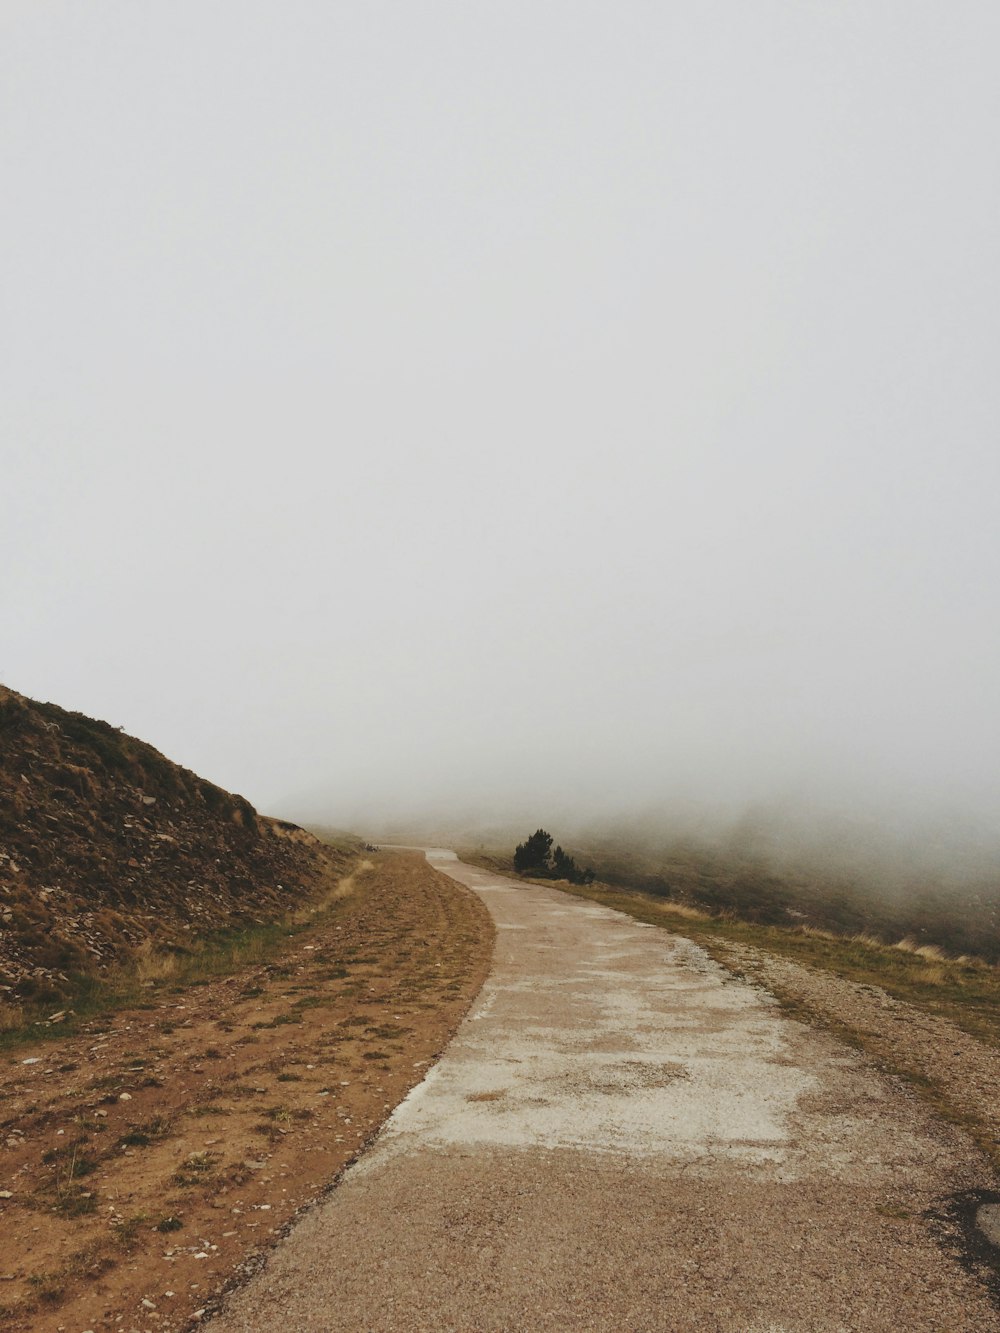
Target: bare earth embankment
<point>151,1158</point>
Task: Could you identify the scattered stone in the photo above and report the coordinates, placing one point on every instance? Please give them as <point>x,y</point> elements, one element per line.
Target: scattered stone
<point>988,1221</point>
<point>84,1097</point>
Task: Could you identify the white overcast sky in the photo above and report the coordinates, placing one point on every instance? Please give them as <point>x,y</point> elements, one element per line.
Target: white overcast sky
<point>509,401</point>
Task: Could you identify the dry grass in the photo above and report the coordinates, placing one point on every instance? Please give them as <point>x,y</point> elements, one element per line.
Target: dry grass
<point>342,888</point>
<point>205,1111</point>
<point>150,969</point>
<point>688,913</point>
<point>155,965</point>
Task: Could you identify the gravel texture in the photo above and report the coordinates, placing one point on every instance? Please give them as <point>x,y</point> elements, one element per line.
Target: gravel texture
<point>624,1136</point>
<point>909,1038</point>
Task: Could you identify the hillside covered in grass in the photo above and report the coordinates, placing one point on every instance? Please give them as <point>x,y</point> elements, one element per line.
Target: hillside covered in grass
<point>108,849</point>
<point>957,919</point>
<point>925,911</point>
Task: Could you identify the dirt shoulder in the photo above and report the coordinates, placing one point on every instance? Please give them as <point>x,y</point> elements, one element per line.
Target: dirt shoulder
<point>959,1073</point>
<point>149,1160</point>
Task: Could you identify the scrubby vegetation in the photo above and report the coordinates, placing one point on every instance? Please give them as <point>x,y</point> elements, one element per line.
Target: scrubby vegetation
<point>535,857</point>
<point>918,917</point>
<point>115,861</point>
<point>733,883</point>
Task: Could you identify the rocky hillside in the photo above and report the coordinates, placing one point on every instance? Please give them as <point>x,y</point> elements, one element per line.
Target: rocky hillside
<point>107,847</point>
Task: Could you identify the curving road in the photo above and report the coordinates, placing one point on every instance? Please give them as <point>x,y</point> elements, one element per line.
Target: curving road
<point>624,1137</point>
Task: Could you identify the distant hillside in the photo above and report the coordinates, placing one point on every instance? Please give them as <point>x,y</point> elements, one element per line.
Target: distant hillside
<point>961,919</point>
<point>106,846</point>
<point>732,881</point>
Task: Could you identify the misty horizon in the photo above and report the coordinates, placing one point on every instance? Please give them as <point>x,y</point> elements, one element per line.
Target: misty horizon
<point>510,415</point>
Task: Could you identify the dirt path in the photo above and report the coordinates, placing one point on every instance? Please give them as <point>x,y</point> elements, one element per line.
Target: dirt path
<point>147,1161</point>
<point>623,1136</point>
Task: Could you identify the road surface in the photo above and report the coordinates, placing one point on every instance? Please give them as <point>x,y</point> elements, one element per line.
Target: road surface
<point>622,1136</point>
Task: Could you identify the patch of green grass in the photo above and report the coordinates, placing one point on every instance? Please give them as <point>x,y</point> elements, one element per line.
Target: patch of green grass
<point>91,995</point>
<point>131,984</point>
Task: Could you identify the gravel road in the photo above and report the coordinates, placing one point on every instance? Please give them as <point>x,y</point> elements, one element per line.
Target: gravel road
<point>624,1136</point>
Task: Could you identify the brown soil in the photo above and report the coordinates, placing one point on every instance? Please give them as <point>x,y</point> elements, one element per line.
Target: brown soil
<point>156,1156</point>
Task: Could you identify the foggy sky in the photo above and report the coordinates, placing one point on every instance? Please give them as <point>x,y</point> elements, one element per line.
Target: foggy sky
<point>509,405</point>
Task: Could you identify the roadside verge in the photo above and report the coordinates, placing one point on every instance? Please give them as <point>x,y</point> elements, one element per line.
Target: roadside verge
<point>150,1159</point>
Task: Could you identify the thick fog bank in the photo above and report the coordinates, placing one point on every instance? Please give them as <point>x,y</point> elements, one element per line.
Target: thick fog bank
<point>876,847</point>
<point>447,419</point>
